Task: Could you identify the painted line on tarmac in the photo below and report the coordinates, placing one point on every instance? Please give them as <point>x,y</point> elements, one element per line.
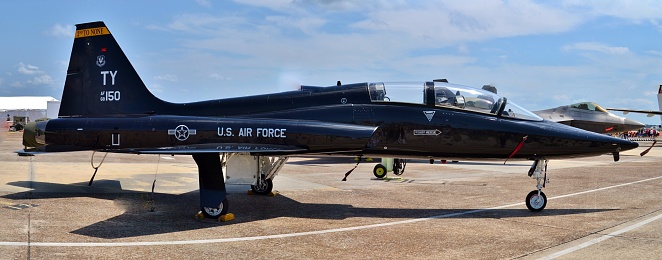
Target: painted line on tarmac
<point>308,233</point>
<point>602,238</point>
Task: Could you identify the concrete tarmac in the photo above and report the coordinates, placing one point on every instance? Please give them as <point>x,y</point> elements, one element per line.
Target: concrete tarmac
<point>597,208</point>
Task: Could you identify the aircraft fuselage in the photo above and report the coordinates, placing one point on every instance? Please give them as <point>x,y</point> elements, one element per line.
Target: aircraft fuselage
<point>300,121</point>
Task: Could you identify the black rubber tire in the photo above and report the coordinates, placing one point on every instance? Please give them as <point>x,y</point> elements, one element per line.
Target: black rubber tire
<point>399,166</point>
<point>265,190</point>
<point>379,171</point>
<point>536,206</point>
<point>216,212</point>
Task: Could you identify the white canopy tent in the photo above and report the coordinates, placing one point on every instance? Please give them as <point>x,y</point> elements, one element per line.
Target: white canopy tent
<point>31,107</point>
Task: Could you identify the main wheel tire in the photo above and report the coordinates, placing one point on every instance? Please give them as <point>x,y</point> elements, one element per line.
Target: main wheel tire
<point>216,212</point>
<point>397,166</point>
<point>263,188</point>
<point>535,202</point>
<point>379,171</point>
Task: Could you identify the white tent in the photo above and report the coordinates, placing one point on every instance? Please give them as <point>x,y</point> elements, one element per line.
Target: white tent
<point>24,103</point>
<point>31,107</point>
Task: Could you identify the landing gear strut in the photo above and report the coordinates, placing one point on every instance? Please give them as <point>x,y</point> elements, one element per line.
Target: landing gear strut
<point>268,167</point>
<point>536,200</point>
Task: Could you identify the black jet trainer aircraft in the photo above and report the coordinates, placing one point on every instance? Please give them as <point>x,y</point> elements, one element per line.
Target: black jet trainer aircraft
<point>106,107</point>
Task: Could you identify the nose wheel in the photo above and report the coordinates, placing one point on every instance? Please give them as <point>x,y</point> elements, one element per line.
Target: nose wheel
<point>536,200</point>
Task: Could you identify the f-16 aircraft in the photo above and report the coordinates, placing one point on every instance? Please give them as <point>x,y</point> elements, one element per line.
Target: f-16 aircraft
<point>589,116</point>
<point>106,107</point>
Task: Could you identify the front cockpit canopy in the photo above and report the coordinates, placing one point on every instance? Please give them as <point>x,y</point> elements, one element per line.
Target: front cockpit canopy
<point>443,94</point>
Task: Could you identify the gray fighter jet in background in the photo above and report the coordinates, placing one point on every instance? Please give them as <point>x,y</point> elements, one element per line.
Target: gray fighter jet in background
<point>589,116</point>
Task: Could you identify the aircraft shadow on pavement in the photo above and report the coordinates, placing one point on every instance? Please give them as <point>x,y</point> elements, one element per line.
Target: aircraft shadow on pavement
<point>498,163</point>
<point>169,213</point>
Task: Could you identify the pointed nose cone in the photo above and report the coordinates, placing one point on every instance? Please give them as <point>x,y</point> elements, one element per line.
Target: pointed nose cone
<point>575,142</point>
<point>625,144</point>
<point>631,125</point>
<point>610,144</point>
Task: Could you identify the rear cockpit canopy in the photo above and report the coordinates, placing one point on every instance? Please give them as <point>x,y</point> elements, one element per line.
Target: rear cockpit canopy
<point>443,94</point>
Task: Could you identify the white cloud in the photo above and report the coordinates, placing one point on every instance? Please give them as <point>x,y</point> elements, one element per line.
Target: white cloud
<point>41,80</point>
<point>287,42</point>
<point>656,53</point>
<point>561,98</point>
<point>39,77</point>
<point>463,49</point>
<point>156,88</point>
<point>635,10</point>
<point>28,69</point>
<point>203,24</point>
<point>305,24</point>
<point>596,47</point>
<point>204,3</point>
<point>217,76</point>
<point>279,5</point>
<point>16,84</point>
<point>59,30</point>
<point>457,21</point>
<point>167,77</point>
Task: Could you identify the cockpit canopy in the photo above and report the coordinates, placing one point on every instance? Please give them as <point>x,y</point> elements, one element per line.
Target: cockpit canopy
<point>590,106</point>
<point>444,94</point>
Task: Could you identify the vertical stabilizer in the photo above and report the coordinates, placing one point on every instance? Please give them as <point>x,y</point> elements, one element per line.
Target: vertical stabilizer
<point>100,79</point>
<point>659,101</point>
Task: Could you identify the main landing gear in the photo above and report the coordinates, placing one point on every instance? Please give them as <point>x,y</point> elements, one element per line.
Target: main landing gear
<point>240,168</point>
<point>213,202</point>
<point>536,200</point>
<point>267,169</point>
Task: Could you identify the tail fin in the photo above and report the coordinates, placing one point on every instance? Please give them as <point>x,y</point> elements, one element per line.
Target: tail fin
<point>100,79</point>
<point>659,101</point>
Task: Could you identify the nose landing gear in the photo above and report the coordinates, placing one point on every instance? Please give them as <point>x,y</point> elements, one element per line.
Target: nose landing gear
<point>536,200</point>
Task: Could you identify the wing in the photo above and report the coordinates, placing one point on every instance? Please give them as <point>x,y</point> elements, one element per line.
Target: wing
<point>648,112</point>
<point>221,148</point>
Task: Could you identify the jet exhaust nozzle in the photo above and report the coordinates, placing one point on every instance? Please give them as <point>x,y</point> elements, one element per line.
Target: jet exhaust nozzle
<point>34,134</point>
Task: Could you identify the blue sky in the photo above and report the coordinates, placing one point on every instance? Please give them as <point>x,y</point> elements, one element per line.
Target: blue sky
<point>541,54</point>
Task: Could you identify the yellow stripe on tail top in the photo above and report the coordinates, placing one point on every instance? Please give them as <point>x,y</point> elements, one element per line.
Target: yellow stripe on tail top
<point>92,32</point>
